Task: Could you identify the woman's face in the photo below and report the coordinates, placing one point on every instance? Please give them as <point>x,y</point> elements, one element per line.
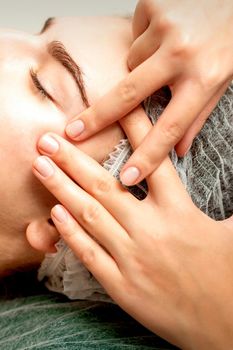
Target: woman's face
<point>45,80</point>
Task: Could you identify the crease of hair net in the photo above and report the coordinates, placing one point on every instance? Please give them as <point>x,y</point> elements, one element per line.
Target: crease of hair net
<point>206,172</point>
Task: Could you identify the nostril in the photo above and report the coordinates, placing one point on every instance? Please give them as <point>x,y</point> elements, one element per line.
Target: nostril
<point>50,221</point>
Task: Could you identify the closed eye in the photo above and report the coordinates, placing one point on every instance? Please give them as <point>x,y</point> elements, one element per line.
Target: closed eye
<point>38,85</point>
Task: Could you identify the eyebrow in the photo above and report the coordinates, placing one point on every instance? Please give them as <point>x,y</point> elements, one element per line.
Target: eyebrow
<point>48,23</point>
<point>57,50</point>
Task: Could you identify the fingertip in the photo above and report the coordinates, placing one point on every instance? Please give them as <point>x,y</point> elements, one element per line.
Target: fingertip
<point>60,214</point>
<point>75,129</point>
<point>130,176</point>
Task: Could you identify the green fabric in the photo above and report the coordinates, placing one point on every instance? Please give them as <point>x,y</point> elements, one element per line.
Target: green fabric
<point>33,318</point>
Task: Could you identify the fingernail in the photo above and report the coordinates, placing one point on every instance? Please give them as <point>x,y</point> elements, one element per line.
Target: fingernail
<point>75,129</point>
<point>43,166</point>
<point>59,213</point>
<point>48,144</point>
<point>130,176</point>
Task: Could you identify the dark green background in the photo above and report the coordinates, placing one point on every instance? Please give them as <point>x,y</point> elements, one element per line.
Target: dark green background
<point>33,318</point>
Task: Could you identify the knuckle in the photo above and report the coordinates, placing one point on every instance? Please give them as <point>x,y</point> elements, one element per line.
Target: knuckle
<point>90,214</point>
<point>172,132</point>
<point>128,91</point>
<point>160,25</point>
<point>182,47</point>
<point>180,50</point>
<point>210,79</point>
<point>102,186</point>
<point>88,257</point>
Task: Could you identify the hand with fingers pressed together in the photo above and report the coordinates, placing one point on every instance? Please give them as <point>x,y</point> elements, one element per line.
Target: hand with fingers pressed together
<point>174,274</point>
<point>185,45</point>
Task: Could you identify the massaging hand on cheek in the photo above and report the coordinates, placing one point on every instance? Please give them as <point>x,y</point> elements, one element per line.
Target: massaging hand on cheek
<point>161,259</point>
<point>184,44</point>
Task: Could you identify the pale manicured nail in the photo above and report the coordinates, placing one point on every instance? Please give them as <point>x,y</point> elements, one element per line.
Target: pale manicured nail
<point>48,144</point>
<point>130,176</point>
<point>43,166</point>
<point>75,129</point>
<point>59,213</point>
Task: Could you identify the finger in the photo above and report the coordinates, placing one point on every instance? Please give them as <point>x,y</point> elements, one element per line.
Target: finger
<point>90,214</point>
<point>166,188</point>
<point>92,177</point>
<point>89,252</point>
<point>180,113</point>
<point>142,48</point>
<point>164,184</point>
<point>186,142</point>
<point>141,19</point>
<point>123,98</point>
<point>136,126</point>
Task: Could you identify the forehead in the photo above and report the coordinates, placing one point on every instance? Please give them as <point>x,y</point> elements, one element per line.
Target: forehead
<point>19,51</point>
<point>93,30</point>
<point>99,45</point>
<point>13,41</point>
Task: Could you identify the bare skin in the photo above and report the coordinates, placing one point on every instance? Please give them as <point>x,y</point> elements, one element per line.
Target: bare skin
<point>184,44</point>
<point>177,279</point>
<point>27,113</point>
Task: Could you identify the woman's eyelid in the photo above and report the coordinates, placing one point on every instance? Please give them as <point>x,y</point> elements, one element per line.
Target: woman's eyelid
<point>39,86</point>
<point>47,87</point>
<point>52,90</point>
<point>49,83</point>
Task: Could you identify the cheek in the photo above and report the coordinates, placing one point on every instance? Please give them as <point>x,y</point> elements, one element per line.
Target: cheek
<point>100,145</point>
<point>23,121</point>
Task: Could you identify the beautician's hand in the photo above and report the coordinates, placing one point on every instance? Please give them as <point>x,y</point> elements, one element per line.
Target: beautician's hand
<point>161,259</point>
<point>186,45</point>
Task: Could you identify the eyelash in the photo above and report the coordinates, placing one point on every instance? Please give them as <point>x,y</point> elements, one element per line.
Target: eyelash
<point>38,85</point>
